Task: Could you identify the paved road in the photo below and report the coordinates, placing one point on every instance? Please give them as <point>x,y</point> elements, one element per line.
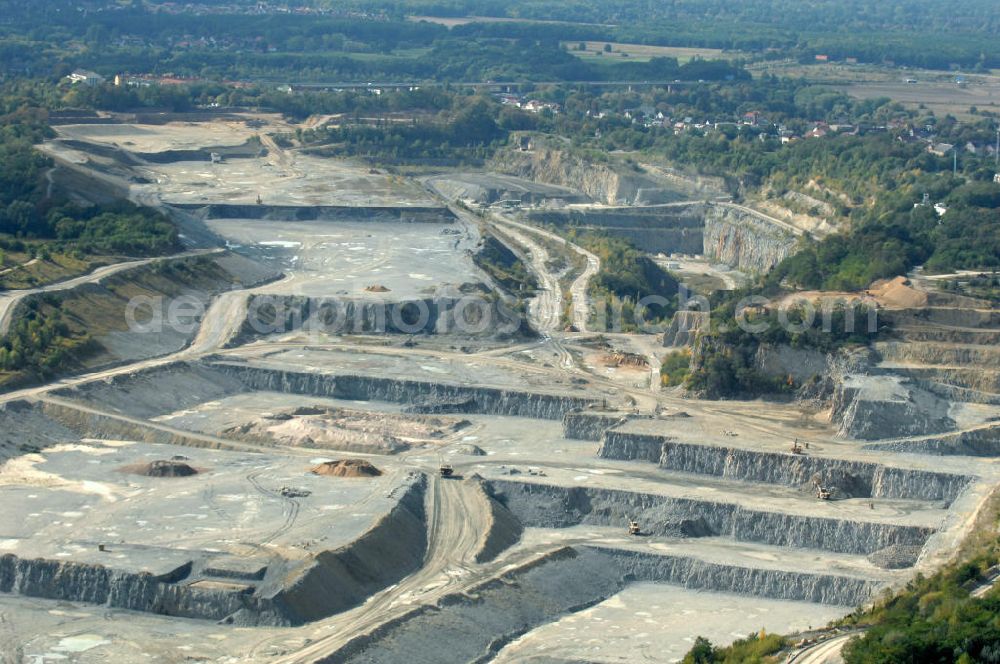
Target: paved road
<point>10,299</point>
<point>826,652</point>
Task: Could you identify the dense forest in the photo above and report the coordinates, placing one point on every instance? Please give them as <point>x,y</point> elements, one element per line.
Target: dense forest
<point>31,210</point>
<point>239,41</point>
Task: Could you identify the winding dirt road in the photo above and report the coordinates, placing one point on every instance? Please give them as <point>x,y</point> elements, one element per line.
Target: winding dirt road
<point>10,299</point>
<point>580,286</point>
<point>456,512</point>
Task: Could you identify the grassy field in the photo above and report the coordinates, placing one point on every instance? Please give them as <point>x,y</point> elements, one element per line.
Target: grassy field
<point>644,53</point>
<point>19,270</point>
<point>941,97</point>
<point>937,91</point>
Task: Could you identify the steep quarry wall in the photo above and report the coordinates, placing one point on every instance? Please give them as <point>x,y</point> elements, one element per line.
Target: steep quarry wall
<point>100,426</point>
<point>800,364</point>
<point>746,240</point>
<point>334,581</point>
<point>756,582</point>
<point>156,391</point>
<point>489,188</point>
<point>684,327</point>
<point>726,233</point>
<point>911,352</point>
<point>552,506</point>
<point>667,229</point>
<point>973,378</point>
<point>848,478</point>
<point>981,442</point>
<point>424,395</point>
<point>95,584</point>
<point>291,593</point>
<point>590,425</point>
<point>966,317</point>
<point>607,183</point>
<point>188,384</point>
<point>870,407</point>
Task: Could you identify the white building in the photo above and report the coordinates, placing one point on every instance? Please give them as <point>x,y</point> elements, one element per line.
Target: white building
<point>85,77</point>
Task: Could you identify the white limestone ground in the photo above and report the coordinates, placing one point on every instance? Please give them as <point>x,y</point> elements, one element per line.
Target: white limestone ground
<point>344,258</point>
<point>68,498</point>
<point>650,622</point>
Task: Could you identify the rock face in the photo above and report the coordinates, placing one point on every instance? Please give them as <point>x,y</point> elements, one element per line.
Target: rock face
<point>983,442</point>
<point>603,183</point>
<point>489,188</point>
<point>590,425</point>
<point>667,229</point>
<point>777,584</point>
<point>724,232</point>
<point>95,584</point>
<point>750,242</point>
<point>25,428</point>
<point>551,506</point>
<point>858,479</point>
<point>800,364</point>
<point>885,406</point>
<point>684,327</point>
<point>141,394</point>
<point>484,400</point>
<point>287,593</point>
<point>334,581</point>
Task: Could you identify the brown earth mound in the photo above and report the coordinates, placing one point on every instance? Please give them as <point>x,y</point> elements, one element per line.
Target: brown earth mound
<point>897,293</point>
<point>346,468</point>
<point>161,468</point>
<point>377,288</point>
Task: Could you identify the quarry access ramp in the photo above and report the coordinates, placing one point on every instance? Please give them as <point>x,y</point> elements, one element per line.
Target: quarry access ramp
<point>9,300</point>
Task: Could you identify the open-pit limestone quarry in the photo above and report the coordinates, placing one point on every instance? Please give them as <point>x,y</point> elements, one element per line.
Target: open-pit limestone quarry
<point>334,439</point>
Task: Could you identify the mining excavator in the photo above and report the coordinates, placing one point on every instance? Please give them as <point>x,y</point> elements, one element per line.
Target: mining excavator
<point>822,492</point>
<point>633,527</point>
<point>446,470</point>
